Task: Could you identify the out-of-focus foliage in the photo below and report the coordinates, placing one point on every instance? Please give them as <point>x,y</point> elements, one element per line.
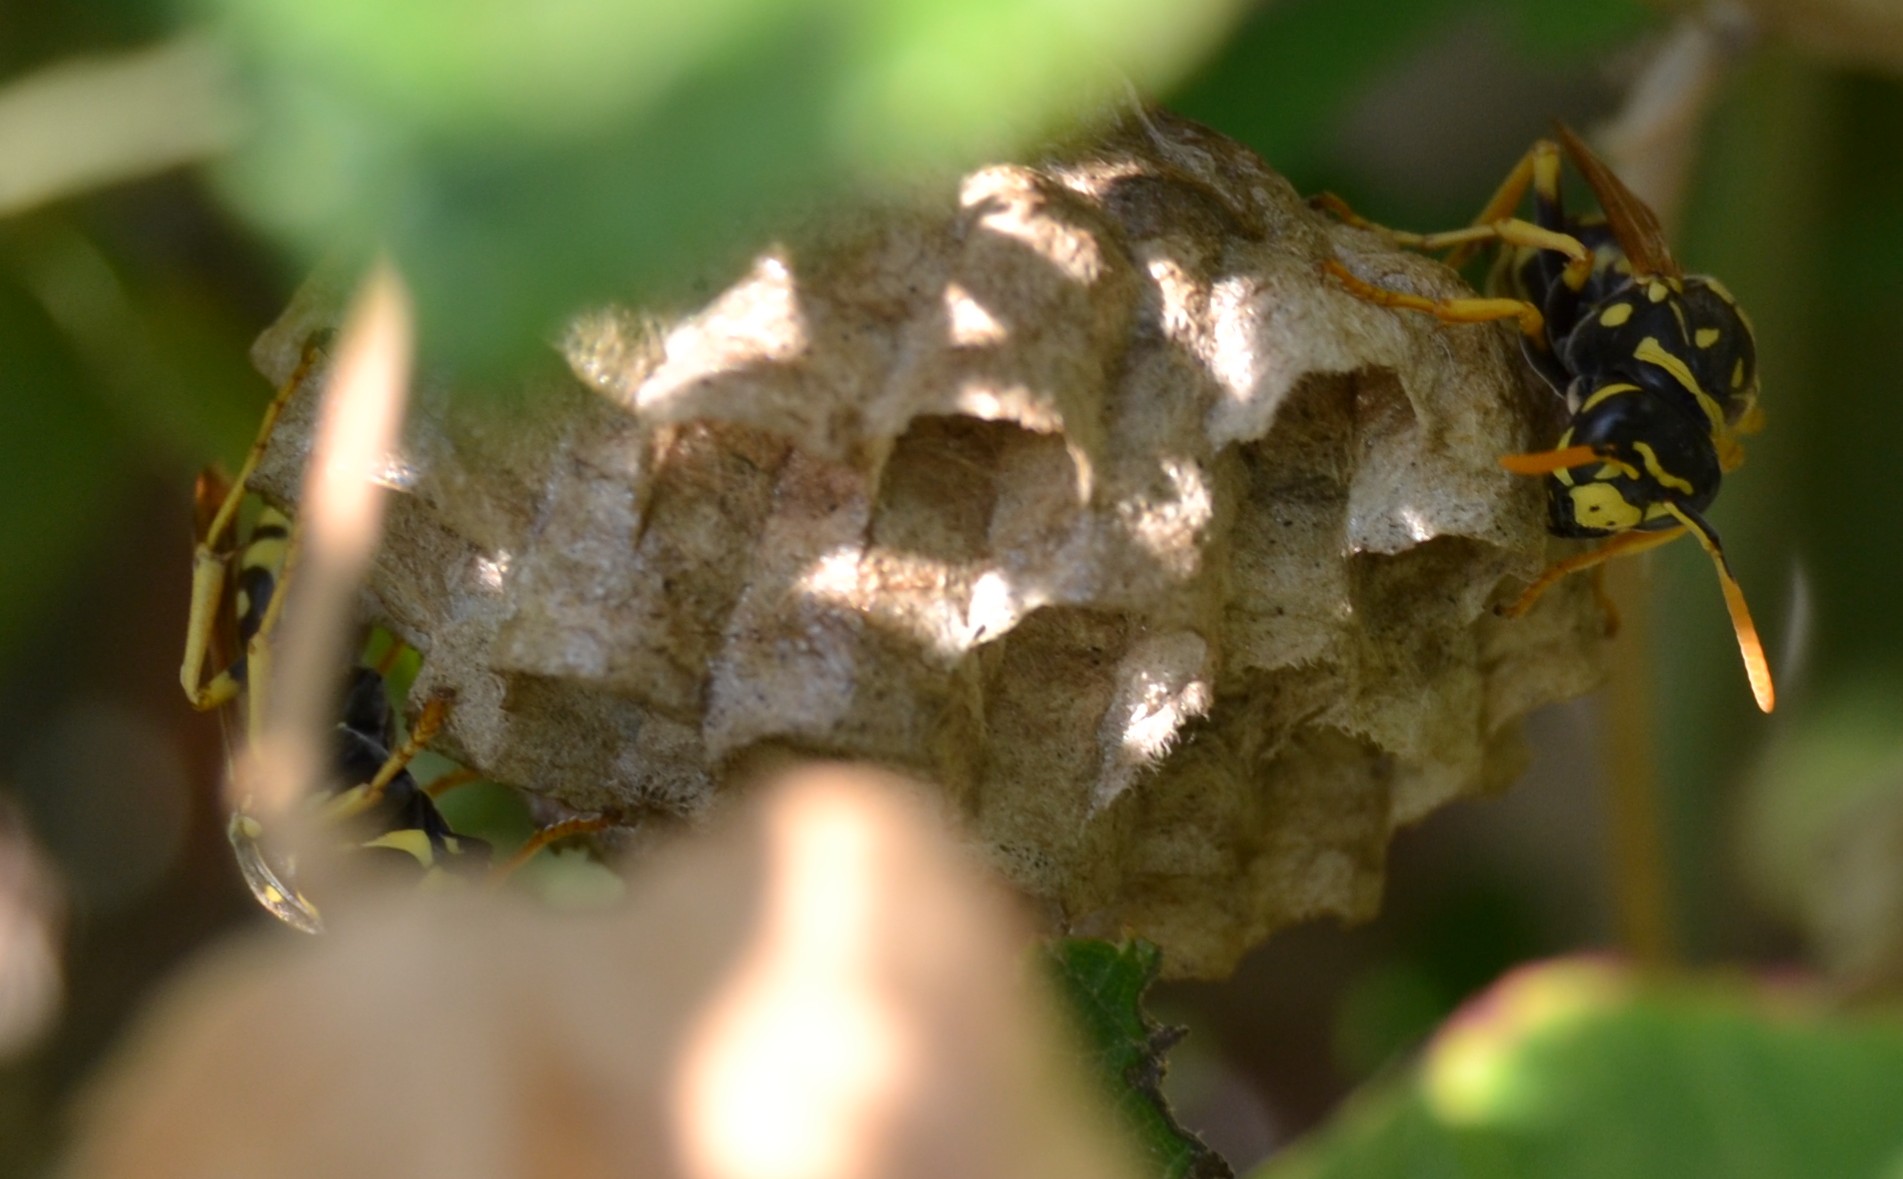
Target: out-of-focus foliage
<point>522,162</point>
<point>1102,985</point>
<point>1284,82</point>
<point>1578,1071</point>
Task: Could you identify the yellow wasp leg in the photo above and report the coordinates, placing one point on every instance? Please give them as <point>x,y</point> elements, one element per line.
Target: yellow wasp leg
<point>210,559</point>
<point>421,734</point>
<point>1474,309</point>
<point>1545,462</point>
<point>1624,544</point>
<point>1513,232</point>
<point>1538,169</point>
<point>362,797</point>
<point>1756,667</point>
<point>1341,211</point>
<point>448,782</point>
<point>552,833</point>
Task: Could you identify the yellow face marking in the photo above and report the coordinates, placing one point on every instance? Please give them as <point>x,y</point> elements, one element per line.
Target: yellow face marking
<point>1656,512</point>
<point>1656,291</point>
<point>1600,507</point>
<point>1657,471</point>
<point>1737,374</point>
<point>1615,315</point>
<point>1601,394</point>
<point>1650,351</point>
<point>411,841</point>
<point>1623,265</point>
<point>1614,469</point>
<point>1706,337</point>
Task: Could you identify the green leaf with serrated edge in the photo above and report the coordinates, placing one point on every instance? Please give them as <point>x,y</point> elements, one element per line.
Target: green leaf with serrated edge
<point>525,161</point>
<point>1103,984</point>
<point>1582,1069</point>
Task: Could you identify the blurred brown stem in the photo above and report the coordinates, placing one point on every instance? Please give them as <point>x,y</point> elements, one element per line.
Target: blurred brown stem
<point>1642,888</point>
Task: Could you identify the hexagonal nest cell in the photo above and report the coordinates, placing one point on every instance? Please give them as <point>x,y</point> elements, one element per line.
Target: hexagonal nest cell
<point>1078,491</point>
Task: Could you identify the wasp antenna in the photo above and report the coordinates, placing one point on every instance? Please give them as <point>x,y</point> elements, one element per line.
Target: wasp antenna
<point>1545,462</point>
<point>1756,667</point>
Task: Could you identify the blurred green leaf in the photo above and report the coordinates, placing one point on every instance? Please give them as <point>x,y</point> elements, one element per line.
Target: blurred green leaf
<point>162,358</point>
<point>1579,1070</point>
<point>1283,80</point>
<point>61,463</point>
<point>1103,985</point>
<point>524,161</point>
<point>1284,83</point>
<point>1569,29</point>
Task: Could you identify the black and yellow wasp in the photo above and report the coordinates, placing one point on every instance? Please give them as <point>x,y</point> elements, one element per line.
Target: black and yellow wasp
<point>1658,368</point>
<point>237,595</point>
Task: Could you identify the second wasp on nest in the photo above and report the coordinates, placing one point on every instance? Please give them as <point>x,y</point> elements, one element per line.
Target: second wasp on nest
<point>1658,368</point>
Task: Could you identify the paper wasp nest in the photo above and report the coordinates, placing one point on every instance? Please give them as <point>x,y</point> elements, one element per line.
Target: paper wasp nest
<point>1082,494</point>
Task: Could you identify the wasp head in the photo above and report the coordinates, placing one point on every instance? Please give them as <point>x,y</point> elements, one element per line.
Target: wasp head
<point>1653,453</point>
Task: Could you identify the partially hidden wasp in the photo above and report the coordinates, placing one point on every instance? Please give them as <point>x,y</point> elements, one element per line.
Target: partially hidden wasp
<point>1658,368</point>
<point>237,595</point>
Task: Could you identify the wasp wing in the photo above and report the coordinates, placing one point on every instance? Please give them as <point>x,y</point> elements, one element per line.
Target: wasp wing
<point>1634,224</point>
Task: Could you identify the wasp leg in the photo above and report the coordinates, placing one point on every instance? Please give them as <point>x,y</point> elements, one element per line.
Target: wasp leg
<point>553,833</point>
<point>1545,462</point>
<point>1473,309</point>
<point>208,595</point>
<point>439,786</point>
<point>211,559</point>
<point>362,797</point>
<point>1512,231</point>
<point>1340,210</point>
<point>1538,169</point>
<point>1622,545</point>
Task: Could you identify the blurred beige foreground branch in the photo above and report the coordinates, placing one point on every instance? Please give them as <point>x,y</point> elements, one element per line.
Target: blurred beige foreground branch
<point>90,122</point>
<point>337,532</point>
<point>32,921</point>
<point>824,989</point>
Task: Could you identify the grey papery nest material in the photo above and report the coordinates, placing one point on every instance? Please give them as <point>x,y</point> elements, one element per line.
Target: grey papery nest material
<point>1078,491</point>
